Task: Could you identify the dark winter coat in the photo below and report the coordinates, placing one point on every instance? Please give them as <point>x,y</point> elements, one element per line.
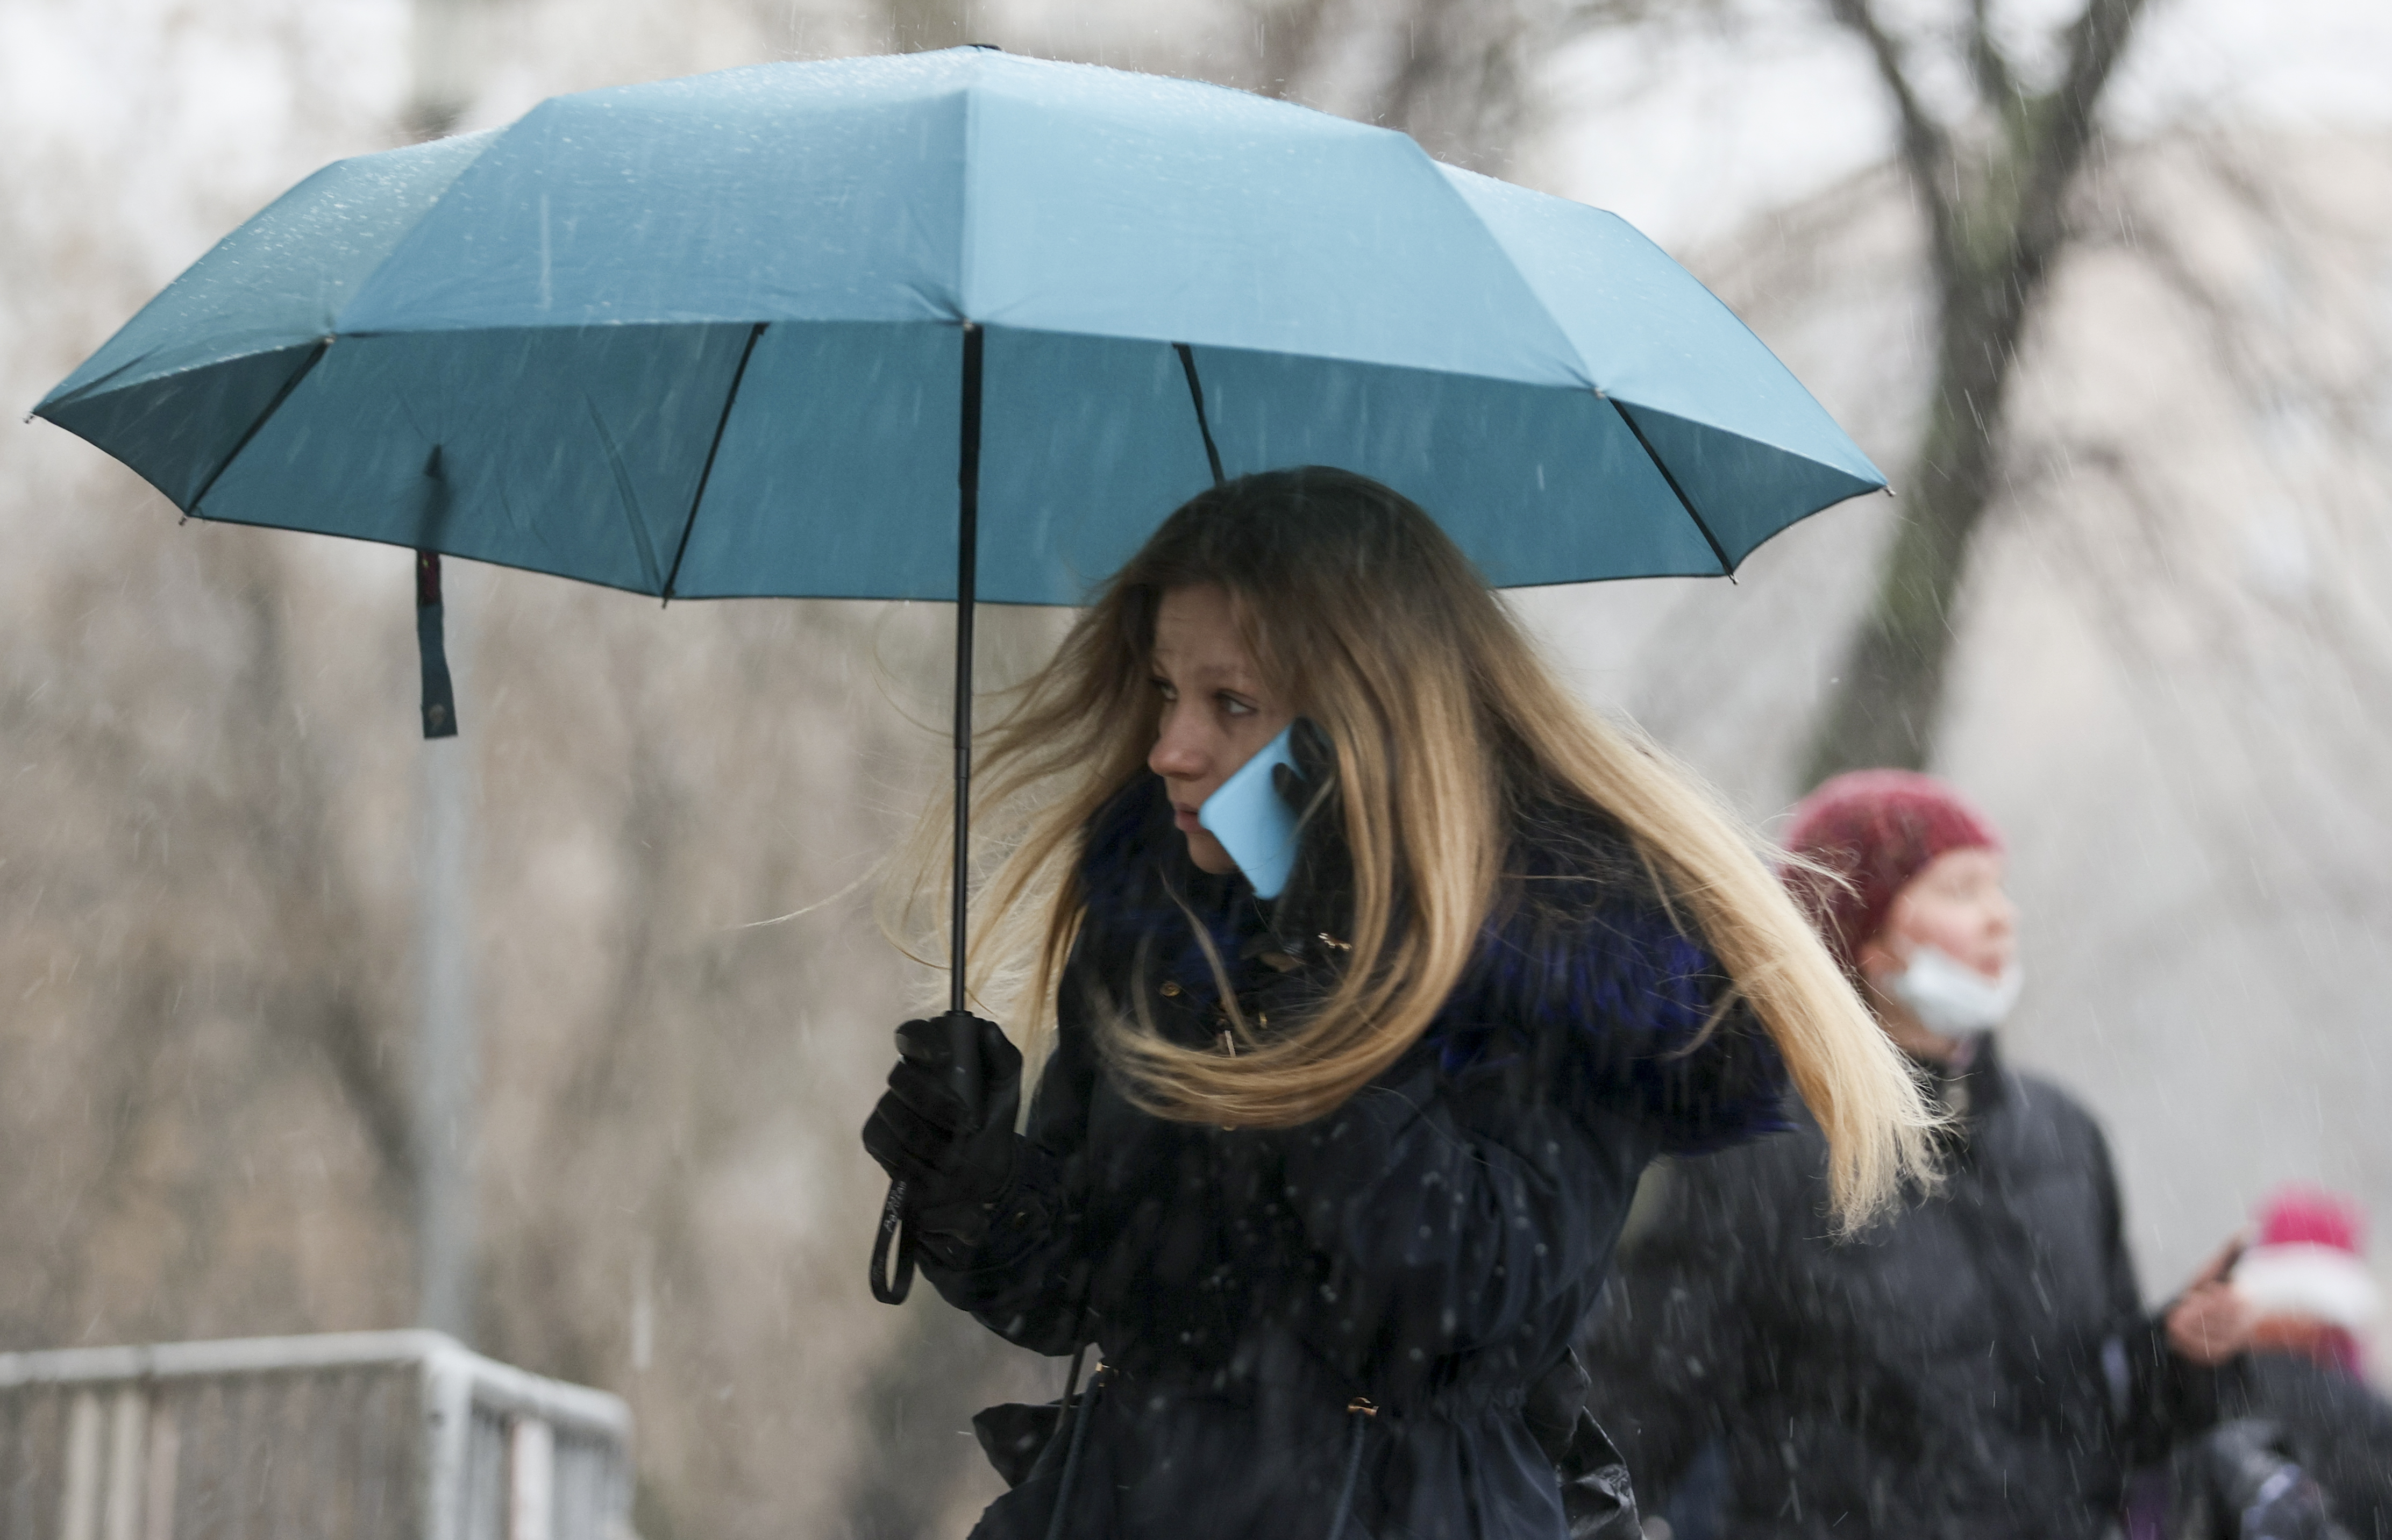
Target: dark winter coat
<point>1979,1366</point>
<point>1431,1246</point>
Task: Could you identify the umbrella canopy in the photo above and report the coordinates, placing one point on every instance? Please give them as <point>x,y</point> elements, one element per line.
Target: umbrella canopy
<point>702,338</point>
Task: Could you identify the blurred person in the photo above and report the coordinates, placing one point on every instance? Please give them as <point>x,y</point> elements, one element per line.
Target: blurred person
<point>1331,1180</point>
<point>2304,1446</point>
<point>2306,1281</point>
<point>1978,1363</point>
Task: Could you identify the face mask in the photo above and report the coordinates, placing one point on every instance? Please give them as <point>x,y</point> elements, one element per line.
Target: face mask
<point>1952,999</point>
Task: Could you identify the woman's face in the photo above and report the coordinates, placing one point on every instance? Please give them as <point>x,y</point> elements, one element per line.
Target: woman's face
<point>1217,712</point>
<point>1955,904</point>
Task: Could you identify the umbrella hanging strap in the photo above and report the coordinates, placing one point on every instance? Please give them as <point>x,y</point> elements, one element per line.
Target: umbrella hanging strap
<point>432,649</point>
<point>889,1287</point>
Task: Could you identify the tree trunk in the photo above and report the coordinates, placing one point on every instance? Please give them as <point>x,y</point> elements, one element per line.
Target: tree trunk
<point>1995,207</point>
<point>1890,694</point>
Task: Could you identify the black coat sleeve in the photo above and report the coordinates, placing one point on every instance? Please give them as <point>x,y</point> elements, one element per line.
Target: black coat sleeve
<point>2338,1426</point>
<point>2157,1397</point>
<point>1670,1350</point>
<point>1027,1279</point>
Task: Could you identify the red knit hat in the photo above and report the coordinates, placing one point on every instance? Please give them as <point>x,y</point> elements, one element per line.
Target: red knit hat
<point>1877,829</point>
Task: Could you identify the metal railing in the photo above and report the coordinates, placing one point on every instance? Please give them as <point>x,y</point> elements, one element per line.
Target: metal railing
<point>384,1435</point>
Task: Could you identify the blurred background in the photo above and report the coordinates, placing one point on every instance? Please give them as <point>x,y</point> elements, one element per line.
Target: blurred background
<point>2110,296</point>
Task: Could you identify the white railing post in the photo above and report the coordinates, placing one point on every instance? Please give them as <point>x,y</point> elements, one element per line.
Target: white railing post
<point>79,1498</point>
<point>531,1479</point>
<point>165,1455</point>
<point>127,1427</point>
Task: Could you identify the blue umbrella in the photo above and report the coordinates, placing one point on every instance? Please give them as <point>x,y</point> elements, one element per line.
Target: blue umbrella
<point>750,334</point>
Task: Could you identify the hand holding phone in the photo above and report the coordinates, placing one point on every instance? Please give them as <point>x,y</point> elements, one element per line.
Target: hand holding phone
<point>1255,823</point>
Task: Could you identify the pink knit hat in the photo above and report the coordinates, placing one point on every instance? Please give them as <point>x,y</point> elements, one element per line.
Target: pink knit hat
<point>1877,829</point>
<point>2307,1260</point>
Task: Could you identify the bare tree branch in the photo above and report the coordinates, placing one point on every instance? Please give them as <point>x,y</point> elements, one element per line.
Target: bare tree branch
<point>1456,85</point>
<point>1925,148</point>
<point>2068,117</point>
<point>1290,39</point>
<point>1996,86</point>
<point>1428,53</point>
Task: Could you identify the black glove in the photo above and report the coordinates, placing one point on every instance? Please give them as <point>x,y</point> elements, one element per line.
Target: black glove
<point>954,1155</point>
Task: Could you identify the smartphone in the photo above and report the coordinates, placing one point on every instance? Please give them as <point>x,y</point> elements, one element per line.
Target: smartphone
<point>1252,821</point>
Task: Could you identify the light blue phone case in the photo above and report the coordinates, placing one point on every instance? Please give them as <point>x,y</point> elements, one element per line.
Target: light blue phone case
<point>1252,821</point>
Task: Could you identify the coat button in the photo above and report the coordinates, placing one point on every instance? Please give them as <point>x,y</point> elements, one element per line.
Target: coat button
<point>1170,989</point>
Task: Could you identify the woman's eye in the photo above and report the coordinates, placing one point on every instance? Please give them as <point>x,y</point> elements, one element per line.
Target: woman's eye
<point>1232,706</point>
<point>1163,688</point>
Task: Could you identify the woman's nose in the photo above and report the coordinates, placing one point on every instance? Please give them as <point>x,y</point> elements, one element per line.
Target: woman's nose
<point>1177,756</point>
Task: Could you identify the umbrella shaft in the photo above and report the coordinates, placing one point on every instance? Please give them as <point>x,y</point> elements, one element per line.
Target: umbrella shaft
<point>967,593</point>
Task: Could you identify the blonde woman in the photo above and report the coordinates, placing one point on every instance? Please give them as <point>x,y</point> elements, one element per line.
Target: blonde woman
<point>1329,1180</point>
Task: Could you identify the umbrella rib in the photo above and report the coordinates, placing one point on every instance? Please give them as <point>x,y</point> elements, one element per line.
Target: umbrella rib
<point>730,399</point>
<point>1196,394</point>
<point>263,418</point>
<point>1727,568</point>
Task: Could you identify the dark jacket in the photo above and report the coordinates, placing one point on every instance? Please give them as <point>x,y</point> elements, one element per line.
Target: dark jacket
<point>2332,1424</point>
<point>1979,1366</point>
<point>1431,1246</point>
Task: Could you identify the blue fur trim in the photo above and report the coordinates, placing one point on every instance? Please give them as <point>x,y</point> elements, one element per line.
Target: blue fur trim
<point>1583,967</point>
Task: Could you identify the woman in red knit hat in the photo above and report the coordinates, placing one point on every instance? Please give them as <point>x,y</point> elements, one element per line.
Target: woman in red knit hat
<point>1979,1366</point>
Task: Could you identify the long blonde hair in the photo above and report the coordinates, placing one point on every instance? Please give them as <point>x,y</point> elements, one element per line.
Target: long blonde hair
<point>1447,727</point>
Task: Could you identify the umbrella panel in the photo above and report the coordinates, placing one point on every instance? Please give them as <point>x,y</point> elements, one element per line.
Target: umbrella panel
<point>826,458</point>
<point>728,197</point>
<point>1656,341</point>
<point>178,430</point>
<point>836,478</point>
<point>277,282</point>
<point>1537,485</point>
<point>1742,487</point>
<point>576,452</point>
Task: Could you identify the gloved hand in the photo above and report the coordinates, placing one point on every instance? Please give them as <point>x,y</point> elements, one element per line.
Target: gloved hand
<point>1312,918</point>
<point>955,1158</point>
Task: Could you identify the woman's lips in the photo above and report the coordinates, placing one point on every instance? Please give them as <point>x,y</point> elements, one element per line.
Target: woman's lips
<point>1185,817</point>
